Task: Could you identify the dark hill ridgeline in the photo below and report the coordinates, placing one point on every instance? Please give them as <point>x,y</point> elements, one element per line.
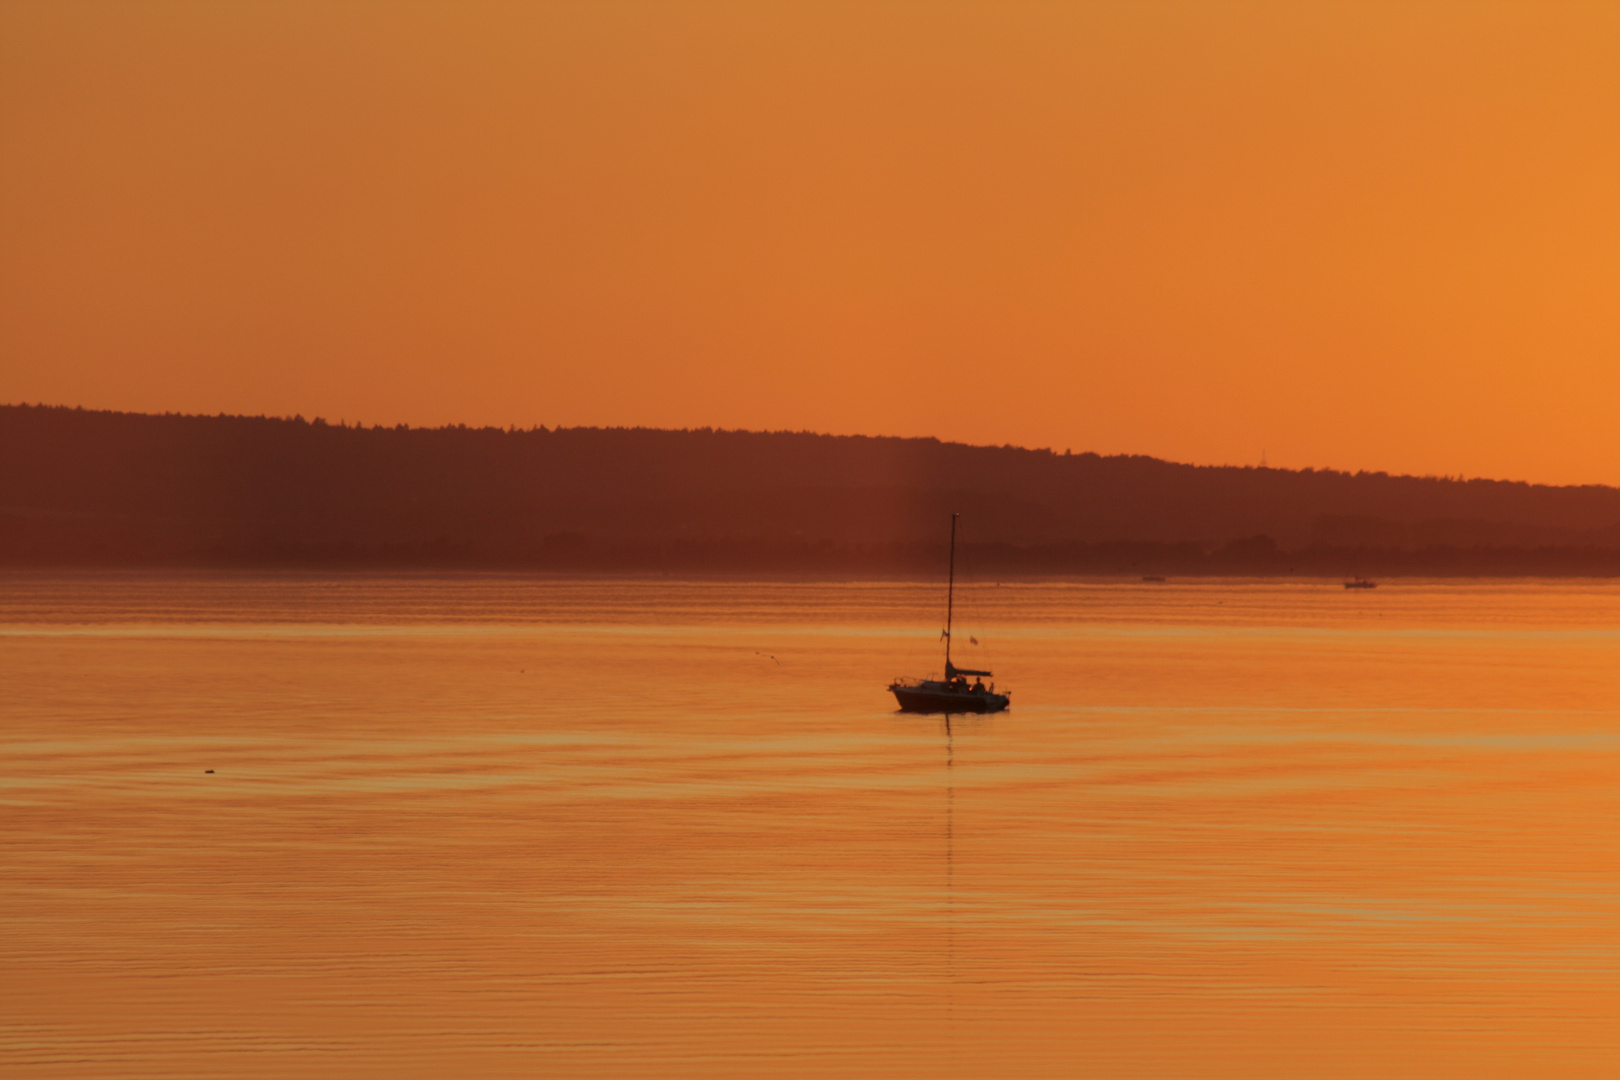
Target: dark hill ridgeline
<point>98,488</point>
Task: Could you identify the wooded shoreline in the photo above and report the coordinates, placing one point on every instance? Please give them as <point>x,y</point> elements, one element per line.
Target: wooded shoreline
<point>84,488</point>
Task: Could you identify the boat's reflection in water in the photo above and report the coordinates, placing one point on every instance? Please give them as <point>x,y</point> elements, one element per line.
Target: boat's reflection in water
<point>283,826</point>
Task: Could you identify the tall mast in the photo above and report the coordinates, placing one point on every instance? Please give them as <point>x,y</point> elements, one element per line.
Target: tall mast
<point>950,597</point>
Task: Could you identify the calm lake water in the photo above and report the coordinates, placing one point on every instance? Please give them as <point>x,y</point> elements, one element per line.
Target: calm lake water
<point>490,827</point>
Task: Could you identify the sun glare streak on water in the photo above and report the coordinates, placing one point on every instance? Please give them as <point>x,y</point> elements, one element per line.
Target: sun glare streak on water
<point>491,826</point>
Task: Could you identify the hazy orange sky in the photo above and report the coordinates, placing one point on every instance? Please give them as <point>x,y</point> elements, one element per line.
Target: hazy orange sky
<point>1358,235</point>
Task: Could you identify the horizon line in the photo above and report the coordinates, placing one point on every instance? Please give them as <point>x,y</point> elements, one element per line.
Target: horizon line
<point>512,429</point>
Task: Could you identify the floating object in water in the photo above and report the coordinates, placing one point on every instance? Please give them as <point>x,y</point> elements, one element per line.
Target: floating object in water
<point>952,694</point>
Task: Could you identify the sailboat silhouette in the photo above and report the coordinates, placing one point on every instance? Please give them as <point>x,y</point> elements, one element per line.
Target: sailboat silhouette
<point>952,694</point>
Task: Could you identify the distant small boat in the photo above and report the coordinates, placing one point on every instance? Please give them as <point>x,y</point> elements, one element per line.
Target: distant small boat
<point>1360,583</point>
<point>952,694</point>
<point>1152,577</point>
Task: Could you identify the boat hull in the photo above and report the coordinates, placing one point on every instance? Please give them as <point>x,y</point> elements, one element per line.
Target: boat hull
<point>920,700</point>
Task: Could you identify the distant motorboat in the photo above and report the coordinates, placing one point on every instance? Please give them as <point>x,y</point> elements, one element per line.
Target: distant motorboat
<point>1360,583</point>
<point>952,694</point>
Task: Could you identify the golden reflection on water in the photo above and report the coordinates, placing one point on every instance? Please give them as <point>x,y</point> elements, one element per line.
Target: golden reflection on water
<point>485,826</point>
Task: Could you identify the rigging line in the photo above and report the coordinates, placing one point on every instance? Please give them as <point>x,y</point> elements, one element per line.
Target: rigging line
<point>950,596</point>
<point>969,578</point>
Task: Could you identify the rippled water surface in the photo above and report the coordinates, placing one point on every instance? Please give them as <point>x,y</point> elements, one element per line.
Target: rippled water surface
<point>490,827</point>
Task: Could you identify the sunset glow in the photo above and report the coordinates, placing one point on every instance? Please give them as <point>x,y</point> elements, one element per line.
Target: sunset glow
<point>1349,235</point>
<point>883,539</point>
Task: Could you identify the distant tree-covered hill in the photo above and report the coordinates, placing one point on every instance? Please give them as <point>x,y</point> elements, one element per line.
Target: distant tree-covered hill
<point>103,488</point>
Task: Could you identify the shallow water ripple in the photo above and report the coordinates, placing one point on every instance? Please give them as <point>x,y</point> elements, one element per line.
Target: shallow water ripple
<point>490,826</point>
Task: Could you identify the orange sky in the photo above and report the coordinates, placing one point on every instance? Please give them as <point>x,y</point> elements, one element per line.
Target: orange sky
<point>1358,235</point>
